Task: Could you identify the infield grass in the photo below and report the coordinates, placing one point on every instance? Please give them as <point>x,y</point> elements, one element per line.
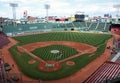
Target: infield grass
<point>45,52</point>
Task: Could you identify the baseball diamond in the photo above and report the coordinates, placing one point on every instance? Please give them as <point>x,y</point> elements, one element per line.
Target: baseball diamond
<point>84,44</point>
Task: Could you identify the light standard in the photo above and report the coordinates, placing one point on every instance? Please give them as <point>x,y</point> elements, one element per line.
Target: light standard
<point>117,6</point>
<point>47,6</point>
<point>14,5</point>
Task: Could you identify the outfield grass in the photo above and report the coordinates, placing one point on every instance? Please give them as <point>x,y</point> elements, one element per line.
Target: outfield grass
<point>89,38</point>
<point>98,40</point>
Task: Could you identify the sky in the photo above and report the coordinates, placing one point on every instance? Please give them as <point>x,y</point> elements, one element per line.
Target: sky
<point>60,8</point>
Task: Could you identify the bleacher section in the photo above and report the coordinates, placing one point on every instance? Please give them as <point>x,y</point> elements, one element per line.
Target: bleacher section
<point>3,40</point>
<point>92,26</point>
<point>1,76</point>
<point>2,70</point>
<point>108,71</point>
<point>106,28</point>
<point>45,27</point>
<point>101,26</point>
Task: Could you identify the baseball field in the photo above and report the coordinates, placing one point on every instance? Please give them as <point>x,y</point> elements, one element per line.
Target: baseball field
<point>55,55</point>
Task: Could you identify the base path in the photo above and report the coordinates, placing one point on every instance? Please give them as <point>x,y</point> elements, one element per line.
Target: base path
<point>80,47</point>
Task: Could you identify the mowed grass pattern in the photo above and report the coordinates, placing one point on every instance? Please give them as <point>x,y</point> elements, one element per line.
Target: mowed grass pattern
<point>97,40</point>
<point>89,38</point>
<point>45,52</point>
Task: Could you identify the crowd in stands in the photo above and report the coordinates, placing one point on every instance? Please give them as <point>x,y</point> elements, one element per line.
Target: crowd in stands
<point>2,70</point>
<point>3,40</point>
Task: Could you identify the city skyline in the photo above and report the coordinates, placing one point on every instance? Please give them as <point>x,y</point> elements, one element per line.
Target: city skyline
<point>61,8</point>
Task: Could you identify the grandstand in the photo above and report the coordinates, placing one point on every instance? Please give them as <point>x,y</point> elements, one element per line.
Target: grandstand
<point>47,27</point>
<point>3,77</point>
<point>109,71</point>
<point>106,72</point>
<point>3,40</point>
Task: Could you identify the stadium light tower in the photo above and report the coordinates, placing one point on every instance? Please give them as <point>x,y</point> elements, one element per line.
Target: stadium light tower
<point>47,6</point>
<point>117,6</point>
<point>14,5</point>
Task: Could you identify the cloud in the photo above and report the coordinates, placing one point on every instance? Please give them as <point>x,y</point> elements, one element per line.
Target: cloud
<point>58,7</point>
